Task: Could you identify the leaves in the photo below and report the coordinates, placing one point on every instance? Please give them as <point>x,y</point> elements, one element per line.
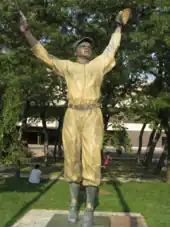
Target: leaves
<point>24,78</point>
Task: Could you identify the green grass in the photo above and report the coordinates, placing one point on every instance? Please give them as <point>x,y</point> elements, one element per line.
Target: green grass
<point>52,169</point>
<point>118,168</point>
<point>129,169</point>
<point>150,199</point>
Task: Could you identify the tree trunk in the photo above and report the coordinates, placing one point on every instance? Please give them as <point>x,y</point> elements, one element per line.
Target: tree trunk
<point>45,138</point>
<point>24,121</point>
<point>57,148</point>
<point>161,162</point>
<point>149,145</point>
<point>60,136</point>
<point>148,161</point>
<point>22,129</point>
<point>106,121</point>
<point>60,150</point>
<point>140,142</point>
<point>168,171</point>
<point>58,139</point>
<point>168,156</point>
<point>55,151</point>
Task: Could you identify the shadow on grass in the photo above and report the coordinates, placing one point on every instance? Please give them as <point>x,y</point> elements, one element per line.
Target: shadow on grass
<point>128,169</point>
<point>116,185</point>
<point>27,205</point>
<point>20,185</point>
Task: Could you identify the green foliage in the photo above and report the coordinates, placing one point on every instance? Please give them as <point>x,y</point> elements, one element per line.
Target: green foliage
<point>61,22</point>
<point>14,152</point>
<point>24,79</point>
<point>119,138</point>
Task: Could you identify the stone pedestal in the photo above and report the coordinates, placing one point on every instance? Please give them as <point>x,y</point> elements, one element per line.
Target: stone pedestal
<point>61,220</point>
<point>58,218</point>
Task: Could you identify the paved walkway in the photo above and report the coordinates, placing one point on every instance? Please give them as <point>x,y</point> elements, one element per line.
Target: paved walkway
<point>52,218</point>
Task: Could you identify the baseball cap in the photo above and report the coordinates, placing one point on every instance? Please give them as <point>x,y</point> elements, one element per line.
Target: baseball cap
<point>85,39</point>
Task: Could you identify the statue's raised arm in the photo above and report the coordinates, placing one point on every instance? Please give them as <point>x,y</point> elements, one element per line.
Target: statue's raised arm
<point>38,49</point>
<point>108,55</point>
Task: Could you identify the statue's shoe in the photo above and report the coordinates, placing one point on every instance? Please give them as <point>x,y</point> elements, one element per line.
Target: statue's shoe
<point>73,214</point>
<point>88,218</point>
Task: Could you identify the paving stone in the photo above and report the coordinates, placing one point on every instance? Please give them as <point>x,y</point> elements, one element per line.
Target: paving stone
<point>58,218</point>
<point>61,220</point>
<point>127,221</point>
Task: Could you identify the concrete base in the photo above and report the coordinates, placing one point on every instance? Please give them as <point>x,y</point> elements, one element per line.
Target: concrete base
<point>61,220</point>
<point>58,218</point>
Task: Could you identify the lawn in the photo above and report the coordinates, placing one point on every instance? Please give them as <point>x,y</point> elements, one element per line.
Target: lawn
<point>150,199</point>
<point>129,169</point>
<point>53,169</point>
<point>125,169</point>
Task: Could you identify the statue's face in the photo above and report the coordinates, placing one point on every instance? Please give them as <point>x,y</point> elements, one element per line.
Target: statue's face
<point>84,50</point>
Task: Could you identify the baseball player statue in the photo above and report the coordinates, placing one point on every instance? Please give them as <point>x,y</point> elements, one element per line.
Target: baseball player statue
<point>83,127</point>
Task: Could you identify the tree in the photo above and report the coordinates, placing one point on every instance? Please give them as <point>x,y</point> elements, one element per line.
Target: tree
<point>140,142</point>
<point>152,38</point>
<point>161,161</point>
<point>59,24</point>
<point>42,18</point>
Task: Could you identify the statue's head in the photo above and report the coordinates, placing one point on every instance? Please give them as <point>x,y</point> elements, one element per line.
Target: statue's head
<point>83,48</point>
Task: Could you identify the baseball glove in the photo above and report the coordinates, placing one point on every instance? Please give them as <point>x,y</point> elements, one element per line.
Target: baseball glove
<point>123,16</point>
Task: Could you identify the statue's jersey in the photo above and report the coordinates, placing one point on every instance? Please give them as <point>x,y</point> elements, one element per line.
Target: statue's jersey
<point>83,80</point>
<point>83,129</point>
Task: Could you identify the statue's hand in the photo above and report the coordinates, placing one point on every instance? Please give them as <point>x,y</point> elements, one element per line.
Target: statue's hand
<point>23,23</point>
<point>123,16</point>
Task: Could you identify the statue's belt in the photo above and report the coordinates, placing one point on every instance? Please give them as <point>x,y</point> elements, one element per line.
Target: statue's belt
<point>84,107</point>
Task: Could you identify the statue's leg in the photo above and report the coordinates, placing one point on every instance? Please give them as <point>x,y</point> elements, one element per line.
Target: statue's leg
<point>92,140</point>
<point>74,193</point>
<point>90,203</point>
<point>72,169</point>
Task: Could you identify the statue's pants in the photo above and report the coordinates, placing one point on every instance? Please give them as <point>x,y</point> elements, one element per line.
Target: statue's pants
<point>82,140</point>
